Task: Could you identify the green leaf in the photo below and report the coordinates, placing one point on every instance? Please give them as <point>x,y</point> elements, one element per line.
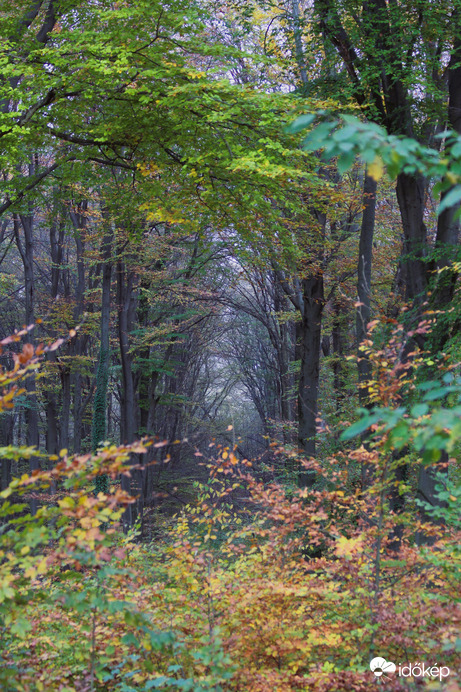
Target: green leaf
<point>348,133</point>
<point>455,150</point>
<point>301,123</point>
<point>360,426</point>
<point>419,410</point>
<point>318,137</point>
<point>439,393</point>
<point>157,682</point>
<point>450,199</point>
<point>345,161</point>
<point>400,434</point>
<point>130,639</point>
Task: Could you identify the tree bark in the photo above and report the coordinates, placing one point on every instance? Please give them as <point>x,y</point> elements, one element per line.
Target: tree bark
<point>313,303</point>
<point>411,192</point>
<point>102,373</point>
<point>77,346</point>
<point>128,405</point>
<point>26,250</point>
<point>363,314</point>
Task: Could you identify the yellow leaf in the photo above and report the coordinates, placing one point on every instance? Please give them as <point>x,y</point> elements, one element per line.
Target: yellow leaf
<point>66,503</point>
<point>376,169</point>
<point>347,547</point>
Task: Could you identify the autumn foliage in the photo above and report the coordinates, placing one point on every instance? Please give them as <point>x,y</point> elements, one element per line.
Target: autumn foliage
<point>255,586</point>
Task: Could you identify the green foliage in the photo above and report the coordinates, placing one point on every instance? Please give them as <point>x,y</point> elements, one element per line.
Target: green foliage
<point>449,495</point>
<point>429,426</point>
<point>348,137</point>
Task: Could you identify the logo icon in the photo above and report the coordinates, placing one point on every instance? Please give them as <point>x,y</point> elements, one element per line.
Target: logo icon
<point>379,666</point>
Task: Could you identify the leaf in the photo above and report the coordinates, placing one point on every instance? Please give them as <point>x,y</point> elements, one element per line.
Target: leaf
<point>130,639</point>
<point>450,199</point>
<point>419,410</point>
<point>21,627</point>
<point>376,169</point>
<point>157,682</point>
<point>345,161</point>
<point>348,133</point>
<point>360,426</point>
<point>318,137</point>
<point>301,123</point>
<point>400,434</point>
<point>347,547</point>
<point>439,393</point>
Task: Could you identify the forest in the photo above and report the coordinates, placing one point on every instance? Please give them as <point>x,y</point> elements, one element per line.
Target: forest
<point>230,382</point>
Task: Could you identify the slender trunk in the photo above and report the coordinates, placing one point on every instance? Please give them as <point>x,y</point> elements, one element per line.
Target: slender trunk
<point>78,344</point>
<point>26,250</point>
<point>125,300</point>
<point>102,373</point>
<point>364,280</point>
<point>281,343</point>
<point>54,441</point>
<point>77,414</point>
<point>6,438</point>
<point>285,382</point>
<point>363,314</point>
<point>65,410</point>
<point>297,35</point>
<point>339,385</point>
<point>313,301</point>
<point>125,288</point>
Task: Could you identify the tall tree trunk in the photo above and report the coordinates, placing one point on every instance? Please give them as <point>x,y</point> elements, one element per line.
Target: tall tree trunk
<point>448,227</point>
<point>339,384</point>
<point>411,192</point>
<point>297,35</point>
<point>77,346</point>
<point>6,439</point>
<point>363,314</point>
<point>364,280</point>
<point>66,406</point>
<point>128,407</point>
<point>54,441</point>
<point>26,250</point>
<point>102,374</point>
<point>311,325</point>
